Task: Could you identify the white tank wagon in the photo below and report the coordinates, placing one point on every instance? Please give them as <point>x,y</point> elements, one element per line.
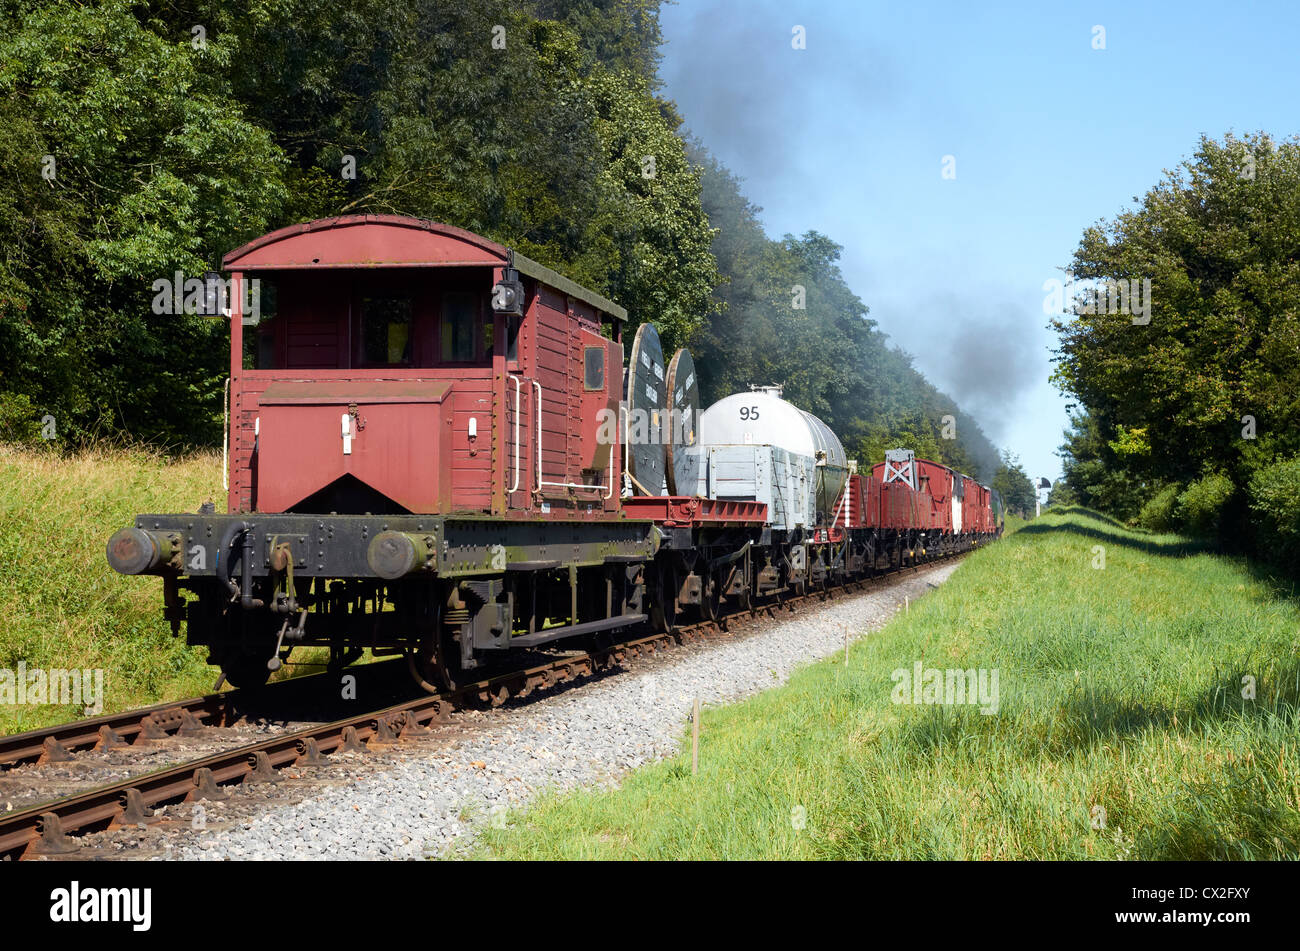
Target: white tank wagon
<point>762,418</point>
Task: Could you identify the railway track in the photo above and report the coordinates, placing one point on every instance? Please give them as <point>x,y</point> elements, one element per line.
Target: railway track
<point>57,744</point>
<point>47,829</point>
<point>186,718</point>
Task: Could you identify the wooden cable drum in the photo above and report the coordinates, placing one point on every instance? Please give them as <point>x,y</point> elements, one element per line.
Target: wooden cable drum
<point>683,465</point>
<point>646,399</point>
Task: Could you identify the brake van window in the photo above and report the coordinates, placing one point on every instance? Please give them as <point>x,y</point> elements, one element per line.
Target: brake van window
<point>386,331</point>
<point>459,316</point>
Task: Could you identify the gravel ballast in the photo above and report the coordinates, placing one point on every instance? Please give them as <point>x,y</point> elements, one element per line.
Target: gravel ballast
<point>431,800</point>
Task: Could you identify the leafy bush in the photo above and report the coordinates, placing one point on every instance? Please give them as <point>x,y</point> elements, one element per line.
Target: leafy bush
<point>1200,507</point>
<point>1275,500</point>
<point>19,420</point>
<point>1160,513</point>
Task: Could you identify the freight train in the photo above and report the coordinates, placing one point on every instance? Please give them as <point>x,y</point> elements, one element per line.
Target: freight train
<point>434,449</point>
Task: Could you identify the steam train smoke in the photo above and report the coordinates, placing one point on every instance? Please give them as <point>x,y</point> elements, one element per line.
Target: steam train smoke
<point>978,353</point>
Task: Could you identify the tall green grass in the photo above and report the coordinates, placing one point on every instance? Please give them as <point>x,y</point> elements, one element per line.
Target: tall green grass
<point>61,606</point>
<point>1121,733</point>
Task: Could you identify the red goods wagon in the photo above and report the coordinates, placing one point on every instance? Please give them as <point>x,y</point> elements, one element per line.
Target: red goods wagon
<point>972,506</point>
<point>863,501</point>
<point>384,380</point>
<point>903,508</point>
<point>926,516</point>
<point>937,480</point>
<point>895,510</point>
<point>987,519</point>
<point>898,507</point>
<point>424,455</point>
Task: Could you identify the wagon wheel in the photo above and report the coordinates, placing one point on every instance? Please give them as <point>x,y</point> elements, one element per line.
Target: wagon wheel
<point>800,587</point>
<point>427,667</point>
<point>711,600</point>
<point>245,671</point>
<point>824,585</point>
<point>430,662</point>
<point>250,643</point>
<point>663,600</point>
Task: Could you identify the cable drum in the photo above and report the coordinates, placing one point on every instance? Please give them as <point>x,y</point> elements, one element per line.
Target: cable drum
<point>646,399</point>
<point>683,466</point>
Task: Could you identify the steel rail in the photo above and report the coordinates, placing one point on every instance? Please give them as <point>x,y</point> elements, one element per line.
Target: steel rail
<point>106,731</point>
<point>112,729</point>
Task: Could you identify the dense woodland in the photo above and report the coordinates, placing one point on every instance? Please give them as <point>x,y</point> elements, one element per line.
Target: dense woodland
<point>1192,421</point>
<point>139,139</point>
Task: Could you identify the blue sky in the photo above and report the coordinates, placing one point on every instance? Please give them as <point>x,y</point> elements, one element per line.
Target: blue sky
<point>848,136</point>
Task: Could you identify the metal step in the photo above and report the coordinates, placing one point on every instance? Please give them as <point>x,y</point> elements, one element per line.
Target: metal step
<point>571,630</point>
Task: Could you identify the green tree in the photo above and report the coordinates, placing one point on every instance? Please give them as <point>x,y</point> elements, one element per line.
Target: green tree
<point>619,34</point>
<point>172,149</point>
<point>1219,240</point>
<point>1095,475</point>
<point>1062,494</point>
<point>1016,488</point>
<point>125,160</point>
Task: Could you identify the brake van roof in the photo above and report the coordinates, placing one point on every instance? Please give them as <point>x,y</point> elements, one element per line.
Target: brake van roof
<point>357,241</point>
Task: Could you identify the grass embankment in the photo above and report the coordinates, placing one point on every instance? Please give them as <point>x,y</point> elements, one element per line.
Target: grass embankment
<point>1121,729</point>
<point>61,606</point>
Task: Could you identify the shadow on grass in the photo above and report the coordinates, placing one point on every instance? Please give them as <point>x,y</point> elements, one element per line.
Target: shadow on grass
<point>1087,718</point>
<point>1220,814</point>
<point>1174,549</point>
<point>1088,513</point>
<point>1232,808</point>
<point>1280,583</point>
<point>1092,717</point>
<point>1254,830</point>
